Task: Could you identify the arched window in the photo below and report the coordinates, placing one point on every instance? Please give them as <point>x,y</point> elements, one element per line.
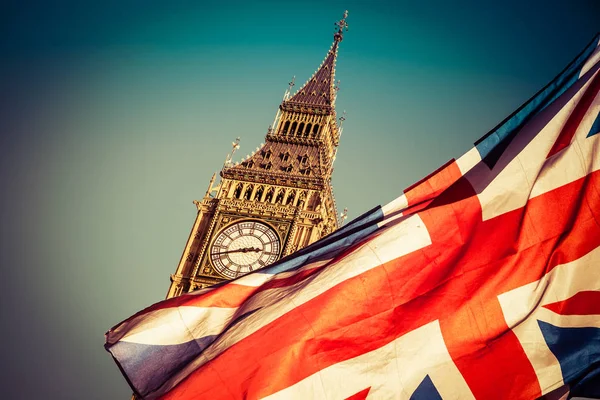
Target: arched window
<point>289,168</point>
<point>307,130</point>
<point>300,129</point>
<point>269,196</point>
<point>248,193</point>
<point>286,126</point>
<point>238,191</point>
<point>259,193</point>
<point>285,156</point>
<point>302,199</point>
<point>315,130</point>
<point>267,155</point>
<point>268,166</point>
<point>279,198</point>
<point>303,159</point>
<point>250,164</point>
<point>291,197</point>
<point>293,130</point>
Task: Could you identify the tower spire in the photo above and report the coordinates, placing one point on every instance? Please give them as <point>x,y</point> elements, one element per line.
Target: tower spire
<point>319,90</point>
<point>301,143</point>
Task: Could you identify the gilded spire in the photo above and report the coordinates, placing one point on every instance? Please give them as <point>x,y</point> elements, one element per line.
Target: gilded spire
<point>320,90</point>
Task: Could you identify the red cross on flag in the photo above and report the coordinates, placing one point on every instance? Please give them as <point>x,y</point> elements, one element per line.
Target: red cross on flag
<point>482,281</point>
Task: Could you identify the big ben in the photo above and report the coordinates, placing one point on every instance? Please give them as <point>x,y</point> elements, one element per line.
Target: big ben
<point>277,200</point>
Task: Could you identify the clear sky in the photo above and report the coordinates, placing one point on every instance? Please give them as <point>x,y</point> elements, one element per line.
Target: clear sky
<point>114,115</point>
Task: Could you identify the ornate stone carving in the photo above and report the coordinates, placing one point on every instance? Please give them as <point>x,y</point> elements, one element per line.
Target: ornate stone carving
<point>198,204</point>
<point>238,205</point>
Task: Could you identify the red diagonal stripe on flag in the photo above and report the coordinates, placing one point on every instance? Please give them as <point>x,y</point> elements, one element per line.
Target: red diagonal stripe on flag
<point>456,280</point>
<point>362,395</point>
<point>574,121</point>
<point>583,303</point>
<point>422,193</point>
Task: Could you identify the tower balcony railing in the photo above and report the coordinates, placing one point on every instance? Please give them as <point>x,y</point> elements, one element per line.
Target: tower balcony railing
<point>241,204</point>
<point>282,138</point>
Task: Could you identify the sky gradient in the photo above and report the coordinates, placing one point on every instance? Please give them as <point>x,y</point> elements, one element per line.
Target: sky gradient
<point>114,116</point>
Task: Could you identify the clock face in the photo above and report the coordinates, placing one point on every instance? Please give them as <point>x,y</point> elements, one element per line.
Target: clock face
<point>243,247</point>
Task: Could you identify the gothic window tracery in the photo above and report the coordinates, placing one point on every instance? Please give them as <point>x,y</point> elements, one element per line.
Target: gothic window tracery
<point>286,127</point>
<point>289,168</point>
<point>291,197</point>
<point>300,129</point>
<point>238,191</point>
<point>248,193</point>
<point>279,198</point>
<point>302,199</point>
<point>307,130</point>
<point>293,130</point>
<point>315,130</point>
<point>259,193</point>
<point>269,196</point>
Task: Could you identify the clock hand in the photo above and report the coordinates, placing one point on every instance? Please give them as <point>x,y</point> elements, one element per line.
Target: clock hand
<point>242,250</point>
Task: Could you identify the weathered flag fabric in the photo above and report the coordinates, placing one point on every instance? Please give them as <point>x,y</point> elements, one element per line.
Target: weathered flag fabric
<point>480,281</point>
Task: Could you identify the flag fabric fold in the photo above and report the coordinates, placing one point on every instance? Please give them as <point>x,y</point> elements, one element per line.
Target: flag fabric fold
<point>480,281</point>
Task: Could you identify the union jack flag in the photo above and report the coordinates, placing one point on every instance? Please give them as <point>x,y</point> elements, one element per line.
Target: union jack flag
<point>480,281</point>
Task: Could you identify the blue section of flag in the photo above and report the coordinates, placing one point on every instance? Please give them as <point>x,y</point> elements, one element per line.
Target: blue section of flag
<point>588,386</point>
<point>426,391</point>
<point>578,352</point>
<point>595,127</point>
<point>492,145</point>
<point>147,376</point>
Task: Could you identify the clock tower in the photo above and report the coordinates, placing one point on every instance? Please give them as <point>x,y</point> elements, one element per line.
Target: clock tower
<point>277,200</point>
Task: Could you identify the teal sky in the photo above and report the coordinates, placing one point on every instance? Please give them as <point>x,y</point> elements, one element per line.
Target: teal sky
<point>114,115</point>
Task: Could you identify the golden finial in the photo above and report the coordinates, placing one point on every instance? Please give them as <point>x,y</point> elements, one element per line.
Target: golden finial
<point>343,214</point>
<point>340,26</point>
<point>288,92</point>
<point>211,188</point>
<point>234,146</point>
<point>342,119</point>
